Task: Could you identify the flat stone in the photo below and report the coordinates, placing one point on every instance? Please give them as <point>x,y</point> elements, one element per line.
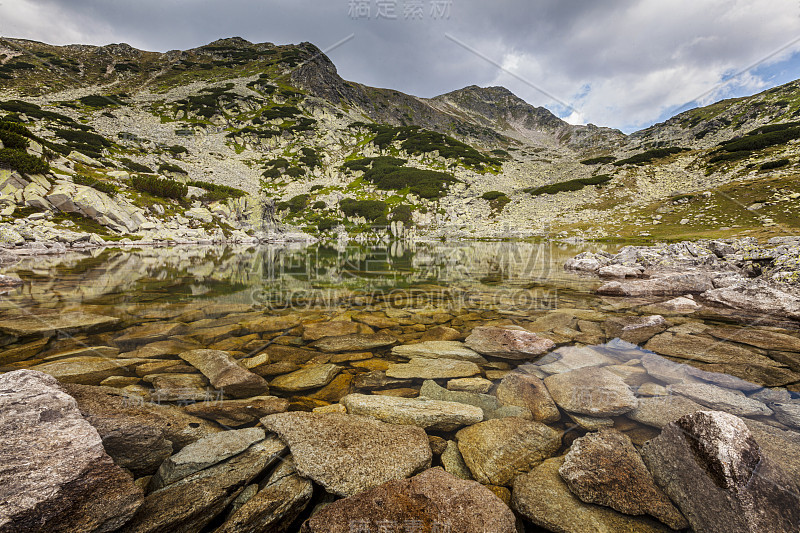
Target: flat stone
<point>377,380</point>
<point>181,388</point>
<point>721,399</point>
<point>665,285</point>
<point>431,501</point>
<point>758,297</point>
<point>273,508</point>
<point>225,373</point>
<point>426,413</point>
<point>591,391</point>
<point>787,413</point>
<point>604,468</point>
<point>423,368</point>
<point>354,343</point>
<point>508,342</point>
<point>335,328</point>
<point>21,352</point>
<point>661,410</point>
<point>162,348</point>
<point>438,350</point>
<point>767,340</point>
<point>148,333</point>
<point>569,358</point>
<point>191,503</point>
<point>725,482</point>
<point>203,453</point>
<point>70,322</point>
<point>620,271</point>
<point>497,450</point>
<point>310,377</point>
<point>56,476</point>
<point>542,497</point>
<point>376,320</point>
<point>441,333</point>
<point>528,391</point>
<point>780,445</point>
<point>477,385</point>
<point>590,423</point>
<point>348,454</point>
<point>238,412</point>
<point>269,324</point>
<point>87,370</point>
<point>635,329</point>
<point>487,402</point>
<point>86,351</point>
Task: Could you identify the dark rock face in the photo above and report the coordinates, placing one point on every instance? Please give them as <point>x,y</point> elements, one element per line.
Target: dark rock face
<point>55,475</point>
<point>430,502</point>
<point>605,468</point>
<point>709,464</point>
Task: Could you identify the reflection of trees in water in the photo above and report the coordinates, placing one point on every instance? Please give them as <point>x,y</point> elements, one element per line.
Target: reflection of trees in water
<point>115,275</point>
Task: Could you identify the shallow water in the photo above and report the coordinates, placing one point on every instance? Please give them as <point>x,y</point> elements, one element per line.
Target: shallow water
<point>414,287</point>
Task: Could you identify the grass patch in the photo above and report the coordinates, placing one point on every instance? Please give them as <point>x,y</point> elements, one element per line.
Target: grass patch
<point>164,188</point>
<point>133,166</point>
<point>389,174</point>
<point>649,156</point>
<point>769,165</point>
<point>169,167</point>
<point>603,160</point>
<point>216,192</point>
<point>22,162</point>
<point>372,210</point>
<point>101,186</point>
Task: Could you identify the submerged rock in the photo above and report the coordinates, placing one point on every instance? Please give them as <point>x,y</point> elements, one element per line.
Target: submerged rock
<point>238,412</point>
<point>438,350</point>
<point>225,373</point>
<point>497,450</point>
<point>56,476</point>
<point>604,468</point>
<point>530,392</point>
<point>591,391</point>
<point>709,464</point>
<point>348,454</point>
<point>423,412</point>
<point>423,368</point>
<point>48,324</point>
<point>354,343</point>
<point>310,377</point>
<point>509,342</point>
<point>433,501</point>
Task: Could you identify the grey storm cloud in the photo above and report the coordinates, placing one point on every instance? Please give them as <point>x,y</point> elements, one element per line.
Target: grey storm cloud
<point>621,63</point>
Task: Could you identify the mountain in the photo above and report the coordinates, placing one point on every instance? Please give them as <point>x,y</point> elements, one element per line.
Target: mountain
<point>246,123</point>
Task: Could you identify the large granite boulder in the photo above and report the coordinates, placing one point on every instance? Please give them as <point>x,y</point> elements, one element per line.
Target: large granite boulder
<point>528,391</point>
<point>592,391</point>
<point>433,501</point>
<point>710,465</point>
<point>604,468</point>
<point>56,476</point>
<point>348,454</point>
<point>508,342</point>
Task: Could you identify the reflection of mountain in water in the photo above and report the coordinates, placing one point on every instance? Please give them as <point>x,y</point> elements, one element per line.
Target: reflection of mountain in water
<point>181,273</point>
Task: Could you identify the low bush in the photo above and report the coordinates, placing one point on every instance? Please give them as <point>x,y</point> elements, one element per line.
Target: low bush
<point>294,204</point>
<point>169,167</point>
<point>177,149</point>
<point>571,185</point>
<point>13,140</point>
<point>22,162</point>
<point>102,186</point>
<point>133,166</point>
<point>492,195</point>
<point>319,205</point>
<point>387,174</point>
<point>758,141</point>
<point>775,164</point>
<point>327,224</point>
<point>404,214</point>
<point>372,210</point>
<point>96,100</point>
<point>35,111</point>
<point>649,156</point>
<point>730,156</point>
<point>216,192</point>
<point>604,160</point>
<point>165,188</point>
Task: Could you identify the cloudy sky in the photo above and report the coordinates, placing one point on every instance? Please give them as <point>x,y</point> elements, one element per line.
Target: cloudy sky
<point>618,63</point>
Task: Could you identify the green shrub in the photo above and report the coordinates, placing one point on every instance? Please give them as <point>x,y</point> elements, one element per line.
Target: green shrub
<point>22,162</point>
<point>16,127</point>
<point>34,111</point>
<point>387,174</point>
<point>13,140</point>
<point>294,204</point>
<point>571,185</point>
<point>492,195</point>
<point>216,192</point>
<point>177,149</point>
<point>372,210</point>
<point>102,186</point>
<point>316,188</point>
<point>169,167</point>
<point>604,160</point>
<point>327,224</point>
<point>96,100</point>
<point>319,205</point>
<point>133,166</point>
<point>295,172</point>
<point>403,213</point>
<point>165,188</point>
<point>730,156</point>
<point>759,141</point>
<point>279,112</point>
<point>649,155</point>
<point>775,164</point>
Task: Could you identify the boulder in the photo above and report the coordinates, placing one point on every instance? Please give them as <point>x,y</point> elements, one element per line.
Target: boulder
<point>225,373</point>
<point>542,497</point>
<point>705,350</point>
<point>423,368</point>
<point>348,454</point>
<point>664,285</point>
<point>453,462</point>
<point>528,391</point>
<point>56,476</point>
<point>587,262</point>
<point>438,350</point>
<point>709,464</point>
<point>621,271</point>
<point>569,358</point>
<point>190,504</point>
<point>661,410</point>
<point>720,399</point>
<point>431,501</point>
<point>509,342</point>
<point>354,343</point>
<point>604,468</point>
<point>476,385</point>
<point>497,450</point>
<point>757,297</point>
<point>591,391</point>
<point>87,370</point>
<point>422,412</point>
<point>487,402</point>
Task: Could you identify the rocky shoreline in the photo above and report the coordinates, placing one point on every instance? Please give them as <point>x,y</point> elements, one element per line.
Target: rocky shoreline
<point>229,418</point>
